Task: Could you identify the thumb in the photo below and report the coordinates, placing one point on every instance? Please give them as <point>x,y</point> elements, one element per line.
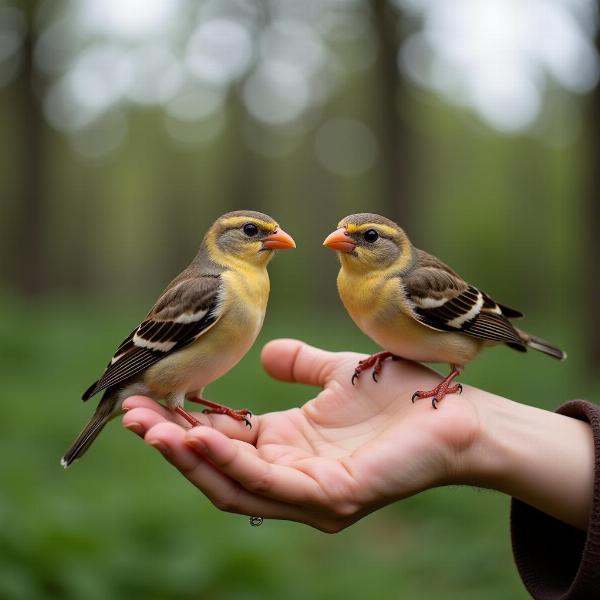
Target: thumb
<point>295,361</point>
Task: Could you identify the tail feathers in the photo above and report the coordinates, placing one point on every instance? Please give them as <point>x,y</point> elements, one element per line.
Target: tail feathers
<point>90,432</point>
<point>542,345</point>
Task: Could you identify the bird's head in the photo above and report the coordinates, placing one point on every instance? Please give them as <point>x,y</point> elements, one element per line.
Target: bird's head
<point>367,242</point>
<point>246,235</point>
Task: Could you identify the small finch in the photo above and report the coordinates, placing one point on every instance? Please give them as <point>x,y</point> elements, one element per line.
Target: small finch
<point>204,322</point>
<point>416,307</point>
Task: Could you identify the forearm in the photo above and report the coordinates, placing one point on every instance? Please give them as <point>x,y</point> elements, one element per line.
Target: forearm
<point>540,457</point>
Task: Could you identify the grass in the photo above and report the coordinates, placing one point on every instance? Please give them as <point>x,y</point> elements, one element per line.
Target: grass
<point>124,524</point>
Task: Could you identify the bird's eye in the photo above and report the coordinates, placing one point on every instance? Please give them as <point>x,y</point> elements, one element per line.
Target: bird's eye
<point>250,229</point>
<point>370,235</point>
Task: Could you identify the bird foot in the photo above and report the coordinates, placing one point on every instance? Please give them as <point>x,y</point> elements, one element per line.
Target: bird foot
<point>441,390</point>
<point>187,416</point>
<point>218,409</point>
<point>375,362</point>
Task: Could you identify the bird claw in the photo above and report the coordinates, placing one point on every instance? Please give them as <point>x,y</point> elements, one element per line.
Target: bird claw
<point>238,415</point>
<point>441,390</point>
<point>375,361</point>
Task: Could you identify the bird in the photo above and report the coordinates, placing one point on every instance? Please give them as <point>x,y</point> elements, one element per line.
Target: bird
<point>416,307</point>
<point>202,324</point>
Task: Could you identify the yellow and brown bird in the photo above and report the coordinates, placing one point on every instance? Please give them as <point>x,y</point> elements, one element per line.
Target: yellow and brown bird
<point>203,323</point>
<point>416,307</point>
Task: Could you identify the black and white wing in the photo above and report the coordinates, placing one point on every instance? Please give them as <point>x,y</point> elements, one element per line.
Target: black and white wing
<point>179,317</point>
<point>442,300</point>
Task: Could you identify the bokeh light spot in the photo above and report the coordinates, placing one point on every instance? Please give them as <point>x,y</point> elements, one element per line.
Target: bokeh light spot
<point>276,93</point>
<point>219,51</point>
<point>345,146</point>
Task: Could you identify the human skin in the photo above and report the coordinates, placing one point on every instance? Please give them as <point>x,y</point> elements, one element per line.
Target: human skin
<point>353,449</point>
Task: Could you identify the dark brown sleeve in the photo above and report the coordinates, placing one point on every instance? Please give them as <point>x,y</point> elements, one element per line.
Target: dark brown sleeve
<point>557,561</point>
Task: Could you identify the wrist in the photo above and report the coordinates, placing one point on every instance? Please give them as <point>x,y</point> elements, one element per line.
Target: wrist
<point>540,457</point>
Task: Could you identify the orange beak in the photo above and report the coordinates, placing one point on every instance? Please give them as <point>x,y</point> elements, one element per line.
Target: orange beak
<point>278,240</point>
<point>339,240</point>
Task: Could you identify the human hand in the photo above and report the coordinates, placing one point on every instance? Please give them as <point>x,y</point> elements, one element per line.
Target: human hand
<point>345,453</point>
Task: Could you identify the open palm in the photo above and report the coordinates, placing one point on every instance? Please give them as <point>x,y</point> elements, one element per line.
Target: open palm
<point>345,453</point>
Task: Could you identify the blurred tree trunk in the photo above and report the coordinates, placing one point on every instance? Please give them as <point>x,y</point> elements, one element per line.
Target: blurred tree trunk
<point>593,220</point>
<point>30,275</point>
<point>394,138</point>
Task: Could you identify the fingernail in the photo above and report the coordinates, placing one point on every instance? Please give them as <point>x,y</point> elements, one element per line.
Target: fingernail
<point>136,428</point>
<point>161,447</point>
<point>197,445</point>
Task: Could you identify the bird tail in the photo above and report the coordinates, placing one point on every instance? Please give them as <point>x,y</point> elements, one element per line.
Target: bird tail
<point>542,345</point>
<point>104,413</point>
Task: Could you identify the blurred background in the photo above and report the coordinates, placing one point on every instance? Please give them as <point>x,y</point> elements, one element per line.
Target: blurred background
<point>128,126</point>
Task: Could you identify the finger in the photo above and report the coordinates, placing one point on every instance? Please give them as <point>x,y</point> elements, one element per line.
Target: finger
<point>234,429</point>
<point>222,491</point>
<point>140,420</point>
<point>230,427</point>
<point>244,465</point>
<point>147,403</point>
<point>293,360</point>
<point>142,402</point>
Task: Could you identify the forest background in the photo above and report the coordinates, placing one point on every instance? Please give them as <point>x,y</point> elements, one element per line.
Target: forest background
<point>127,127</point>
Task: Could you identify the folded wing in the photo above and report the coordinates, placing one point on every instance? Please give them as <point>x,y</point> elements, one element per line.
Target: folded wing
<point>443,301</point>
<point>180,316</point>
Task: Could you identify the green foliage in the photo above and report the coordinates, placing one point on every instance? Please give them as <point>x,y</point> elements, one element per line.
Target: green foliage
<point>122,523</point>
